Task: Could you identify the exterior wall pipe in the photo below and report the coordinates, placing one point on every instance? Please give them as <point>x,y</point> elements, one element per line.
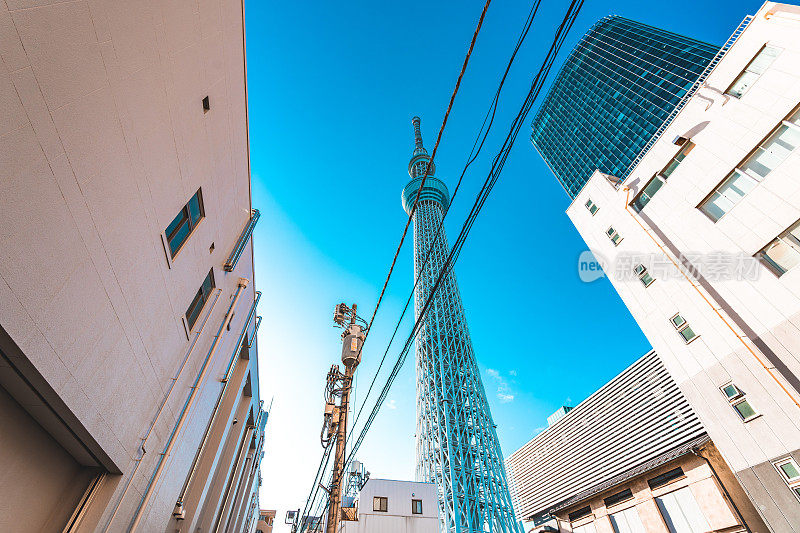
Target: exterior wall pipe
<point>230,264</point>
<point>160,410</point>
<point>179,511</point>
<point>184,412</point>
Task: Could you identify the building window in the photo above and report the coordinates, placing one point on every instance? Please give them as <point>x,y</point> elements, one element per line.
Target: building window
<point>737,399</point>
<point>591,206</point>
<point>665,478</point>
<point>644,275</point>
<point>682,326</point>
<point>753,70</point>
<point>790,472</point>
<point>200,299</point>
<point>184,224</point>
<point>681,512</point>
<point>783,253</point>
<point>579,513</point>
<point>615,237</point>
<point>754,168</point>
<point>416,506</point>
<point>627,521</point>
<point>380,503</point>
<point>657,181</point>
<point>619,497</point>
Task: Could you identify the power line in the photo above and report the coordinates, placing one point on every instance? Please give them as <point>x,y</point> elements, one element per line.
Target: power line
<point>326,454</point>
<point>497,166</point>
<point>473,155</point>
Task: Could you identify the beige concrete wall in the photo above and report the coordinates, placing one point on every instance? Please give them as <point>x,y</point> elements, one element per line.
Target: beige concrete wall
<point>748,329</point>
<point>706,489</point>
<point>103,139</point>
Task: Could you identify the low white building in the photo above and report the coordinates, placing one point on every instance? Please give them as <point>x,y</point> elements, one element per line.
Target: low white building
<point>389,506</point>
<point>702,243</point>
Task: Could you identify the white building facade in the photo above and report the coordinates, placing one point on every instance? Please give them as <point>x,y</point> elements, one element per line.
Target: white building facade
<point>702,243</point>
<point>129,393</point>
<point>389,506</point>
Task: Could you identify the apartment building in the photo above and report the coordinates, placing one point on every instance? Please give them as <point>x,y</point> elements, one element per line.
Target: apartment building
<point>129,393</point>
<point>701,242</point>
<point>632,457</point>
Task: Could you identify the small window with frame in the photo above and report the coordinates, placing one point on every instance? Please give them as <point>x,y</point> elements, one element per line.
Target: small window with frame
<point>643,275</point>
<point>737,398</point>
<point>591,206</point>
<point>682,327</point>
<point>416,506</point>
<point>615,237</point>
<point>380,504</point>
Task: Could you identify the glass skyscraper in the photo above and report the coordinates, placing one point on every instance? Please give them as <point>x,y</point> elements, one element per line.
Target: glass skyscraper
<point>618,85</point>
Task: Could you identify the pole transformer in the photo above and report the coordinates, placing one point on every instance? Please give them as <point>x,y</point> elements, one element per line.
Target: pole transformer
<point>338,385</point>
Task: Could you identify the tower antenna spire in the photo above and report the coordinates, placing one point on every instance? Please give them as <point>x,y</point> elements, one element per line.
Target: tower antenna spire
<point>417,133</point>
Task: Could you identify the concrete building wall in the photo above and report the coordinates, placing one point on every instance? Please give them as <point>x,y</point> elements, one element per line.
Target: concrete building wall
<point>103,140</point>
<point>715,509</point>
<point>748,323</point>
<point>398,518</point>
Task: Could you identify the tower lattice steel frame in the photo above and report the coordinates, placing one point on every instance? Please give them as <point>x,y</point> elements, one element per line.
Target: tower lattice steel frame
<point>457,445</point>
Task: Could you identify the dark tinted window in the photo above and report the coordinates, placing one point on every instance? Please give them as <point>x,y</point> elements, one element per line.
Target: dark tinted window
<point>580,513</point>
<point>200,299</point>
<point>416,506</point>
<point>618,497</point>
<point>665,478</point>
<point>182,225</point>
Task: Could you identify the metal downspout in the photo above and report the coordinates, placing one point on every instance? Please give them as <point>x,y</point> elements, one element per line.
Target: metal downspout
<point>180,511</point>
<point>184,412</point>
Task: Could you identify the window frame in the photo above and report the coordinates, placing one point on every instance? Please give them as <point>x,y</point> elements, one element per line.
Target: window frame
<point>740,401</point>
<point>184,216</point>
<point>788,239</point>
<point>792,483</point>
<point>619,497</point>
<point>642,274</point>
<point>665,478</point>
<point>748,174</point>
<point>682,327</point>
<point>611,233</point>
<point>591,205</point>
<point>739,398</point>
<point>414,503</point>
<point>578,514</point>
<point>745,70</point>
<point>663,175</point>
<point>380,500</point>
<point>200,299</point>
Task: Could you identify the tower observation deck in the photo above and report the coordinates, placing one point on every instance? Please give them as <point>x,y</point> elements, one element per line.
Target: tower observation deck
<point>457,445</point>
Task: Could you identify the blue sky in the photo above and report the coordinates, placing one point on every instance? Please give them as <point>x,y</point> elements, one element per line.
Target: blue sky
<point>332,89</point>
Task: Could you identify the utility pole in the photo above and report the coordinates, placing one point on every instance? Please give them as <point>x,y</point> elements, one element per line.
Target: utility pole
<point>338,386</point>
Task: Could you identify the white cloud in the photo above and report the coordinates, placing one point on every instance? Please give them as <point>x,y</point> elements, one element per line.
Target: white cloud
<point>392,404</point>
<point>512,373</point>
<point>504,393</point>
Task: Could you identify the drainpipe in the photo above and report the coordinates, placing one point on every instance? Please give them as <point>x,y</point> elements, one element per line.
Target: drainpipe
<point>696,451</point>
<point>148,493</point>
<point>180,512</point>
<point>160,410</point>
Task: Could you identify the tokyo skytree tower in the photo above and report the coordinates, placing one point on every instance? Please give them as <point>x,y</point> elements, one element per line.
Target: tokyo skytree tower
<point>457,446</point>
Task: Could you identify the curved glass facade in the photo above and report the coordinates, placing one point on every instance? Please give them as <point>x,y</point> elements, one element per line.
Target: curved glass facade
<point>614,90</point>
